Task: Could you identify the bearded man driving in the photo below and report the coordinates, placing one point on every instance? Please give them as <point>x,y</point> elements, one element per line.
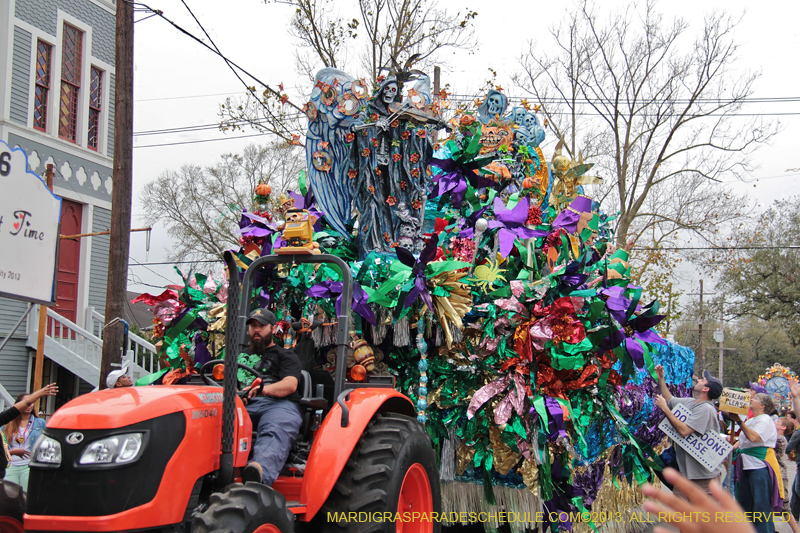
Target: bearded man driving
<point>273,406</point>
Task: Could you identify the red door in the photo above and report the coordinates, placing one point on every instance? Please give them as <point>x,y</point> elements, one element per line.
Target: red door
<point>69,261</point>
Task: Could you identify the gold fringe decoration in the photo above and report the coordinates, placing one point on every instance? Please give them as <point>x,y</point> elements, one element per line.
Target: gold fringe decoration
<point>459,497</point>
<point>624,504</point>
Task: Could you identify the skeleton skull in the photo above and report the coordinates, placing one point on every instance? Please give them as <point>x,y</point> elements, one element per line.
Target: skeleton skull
<point>406,237</point>
<point>531,122</point>
<point>494,105</point>
<point>389,93</point>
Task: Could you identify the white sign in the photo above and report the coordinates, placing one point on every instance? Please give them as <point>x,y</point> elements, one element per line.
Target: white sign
<point>29,230</point>
<point>710,449</point>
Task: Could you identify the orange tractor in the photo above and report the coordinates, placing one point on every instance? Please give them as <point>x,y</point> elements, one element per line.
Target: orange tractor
<point>168,458</point>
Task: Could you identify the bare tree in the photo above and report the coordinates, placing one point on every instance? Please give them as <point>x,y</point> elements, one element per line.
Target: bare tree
<point>656,112</point>
<point>201,207</point>
<point>393,32</point>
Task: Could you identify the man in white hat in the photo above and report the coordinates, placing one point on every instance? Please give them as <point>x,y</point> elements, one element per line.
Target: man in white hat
<point>119,378</point>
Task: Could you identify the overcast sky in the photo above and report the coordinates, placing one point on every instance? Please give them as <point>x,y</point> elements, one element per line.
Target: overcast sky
<point>179,83</point>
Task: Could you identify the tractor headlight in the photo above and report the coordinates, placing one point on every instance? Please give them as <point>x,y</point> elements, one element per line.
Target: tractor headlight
<point>118,449</point>
<point>47,451</point>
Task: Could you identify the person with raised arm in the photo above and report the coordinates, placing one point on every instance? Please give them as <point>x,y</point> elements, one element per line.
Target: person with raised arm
<point>703,418</point>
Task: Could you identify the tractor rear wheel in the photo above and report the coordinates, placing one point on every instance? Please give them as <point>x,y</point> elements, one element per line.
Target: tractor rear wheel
<point>250,508</point>
<point>391,470</point>
<point>12,507</point>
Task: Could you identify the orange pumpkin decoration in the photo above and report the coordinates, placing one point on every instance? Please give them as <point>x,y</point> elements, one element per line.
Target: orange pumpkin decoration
<point>529,183</point>
<point>493,137</point>
<point>262,189</point>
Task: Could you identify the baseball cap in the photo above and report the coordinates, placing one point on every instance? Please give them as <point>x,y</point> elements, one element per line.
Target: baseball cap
<point>758,388</point>
<point>263,317</point>
<point>114,375</point>
<point>714,385</point>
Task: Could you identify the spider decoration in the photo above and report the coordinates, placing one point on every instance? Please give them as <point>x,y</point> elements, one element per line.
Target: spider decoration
<point>487,275</point>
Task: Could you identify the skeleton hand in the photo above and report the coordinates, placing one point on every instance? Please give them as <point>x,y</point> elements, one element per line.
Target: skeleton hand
<point>382,124</point>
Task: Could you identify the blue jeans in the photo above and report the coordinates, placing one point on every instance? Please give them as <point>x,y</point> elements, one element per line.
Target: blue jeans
<point>276,423</point>
<point>795,502</point>
<point>754,497</point>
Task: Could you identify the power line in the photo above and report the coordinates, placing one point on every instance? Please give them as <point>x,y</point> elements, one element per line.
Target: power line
<point>720,248</point>
<point>187,97</point>
<point>233,66</point>
<point>145,265</point>
<point>203,127</point>
<point>581,100</point>
<point>636,115</point>
<point>201,141</point>
<point>175,263</point>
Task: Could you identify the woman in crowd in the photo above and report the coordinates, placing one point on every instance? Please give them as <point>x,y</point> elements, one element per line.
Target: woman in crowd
<point>22,428</point>
<point>785,428</point>
<point>759,485</point>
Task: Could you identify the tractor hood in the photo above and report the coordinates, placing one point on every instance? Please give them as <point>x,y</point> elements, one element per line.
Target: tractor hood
<point>116,408</point>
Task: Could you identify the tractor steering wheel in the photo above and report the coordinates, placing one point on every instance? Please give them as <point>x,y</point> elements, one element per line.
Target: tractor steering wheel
<point>210,381</point>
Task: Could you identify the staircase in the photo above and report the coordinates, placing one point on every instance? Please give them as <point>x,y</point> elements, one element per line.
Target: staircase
<point>80,350</point>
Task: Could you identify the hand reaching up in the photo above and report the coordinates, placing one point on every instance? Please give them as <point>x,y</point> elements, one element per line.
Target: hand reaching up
<point>700,514</point>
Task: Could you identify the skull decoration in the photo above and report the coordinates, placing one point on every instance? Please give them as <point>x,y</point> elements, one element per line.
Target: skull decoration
<point>494,104</point>
<point>406,238</point>
<point>389,93</point>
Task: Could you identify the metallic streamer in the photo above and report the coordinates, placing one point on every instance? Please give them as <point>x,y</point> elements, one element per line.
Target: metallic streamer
<point>450,445</point>
<point>402,335</point>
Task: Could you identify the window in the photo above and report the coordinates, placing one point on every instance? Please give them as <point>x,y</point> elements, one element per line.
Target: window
<point>42,92</point>
<point>70,82</point>
<point>95,101</point>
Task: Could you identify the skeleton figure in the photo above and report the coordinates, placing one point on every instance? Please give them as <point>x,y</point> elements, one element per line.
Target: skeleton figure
<point>391,156</point>
<point>494,105</point>
<point>531,123</point>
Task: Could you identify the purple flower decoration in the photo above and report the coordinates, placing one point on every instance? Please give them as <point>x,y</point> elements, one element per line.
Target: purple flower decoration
<point>632,330</point>
<point>418,272</point>
<point>454,178</point>
<point>512,224</point>
<point>329,289</point>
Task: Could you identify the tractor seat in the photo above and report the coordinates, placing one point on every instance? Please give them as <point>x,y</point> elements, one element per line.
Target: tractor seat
<point>307,400</point>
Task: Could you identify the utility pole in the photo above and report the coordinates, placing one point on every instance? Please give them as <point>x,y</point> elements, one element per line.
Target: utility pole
<point>122,180</point>
<point>700,330</point>
<point>700,350</point>
<point>39,368</point>
<point>721,339</point>
<point>437,81</point>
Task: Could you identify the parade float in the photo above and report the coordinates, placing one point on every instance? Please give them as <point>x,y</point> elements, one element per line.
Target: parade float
<point>776,380</point>
<point>487,286</point>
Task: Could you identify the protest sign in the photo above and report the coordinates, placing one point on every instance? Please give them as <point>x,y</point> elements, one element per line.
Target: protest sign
<point>732,401</point>
<point>710,448</point>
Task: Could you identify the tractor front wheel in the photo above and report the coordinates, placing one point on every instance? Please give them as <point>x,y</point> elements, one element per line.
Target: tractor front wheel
<point>250,508</point>
<point>12,507</point>
<point>392,477</point>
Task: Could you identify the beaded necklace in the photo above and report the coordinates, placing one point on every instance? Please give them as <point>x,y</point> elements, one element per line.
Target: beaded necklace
<point>22,435</point>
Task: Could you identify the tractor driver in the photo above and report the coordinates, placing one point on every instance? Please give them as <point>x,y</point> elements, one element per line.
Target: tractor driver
<point>273,407</point>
